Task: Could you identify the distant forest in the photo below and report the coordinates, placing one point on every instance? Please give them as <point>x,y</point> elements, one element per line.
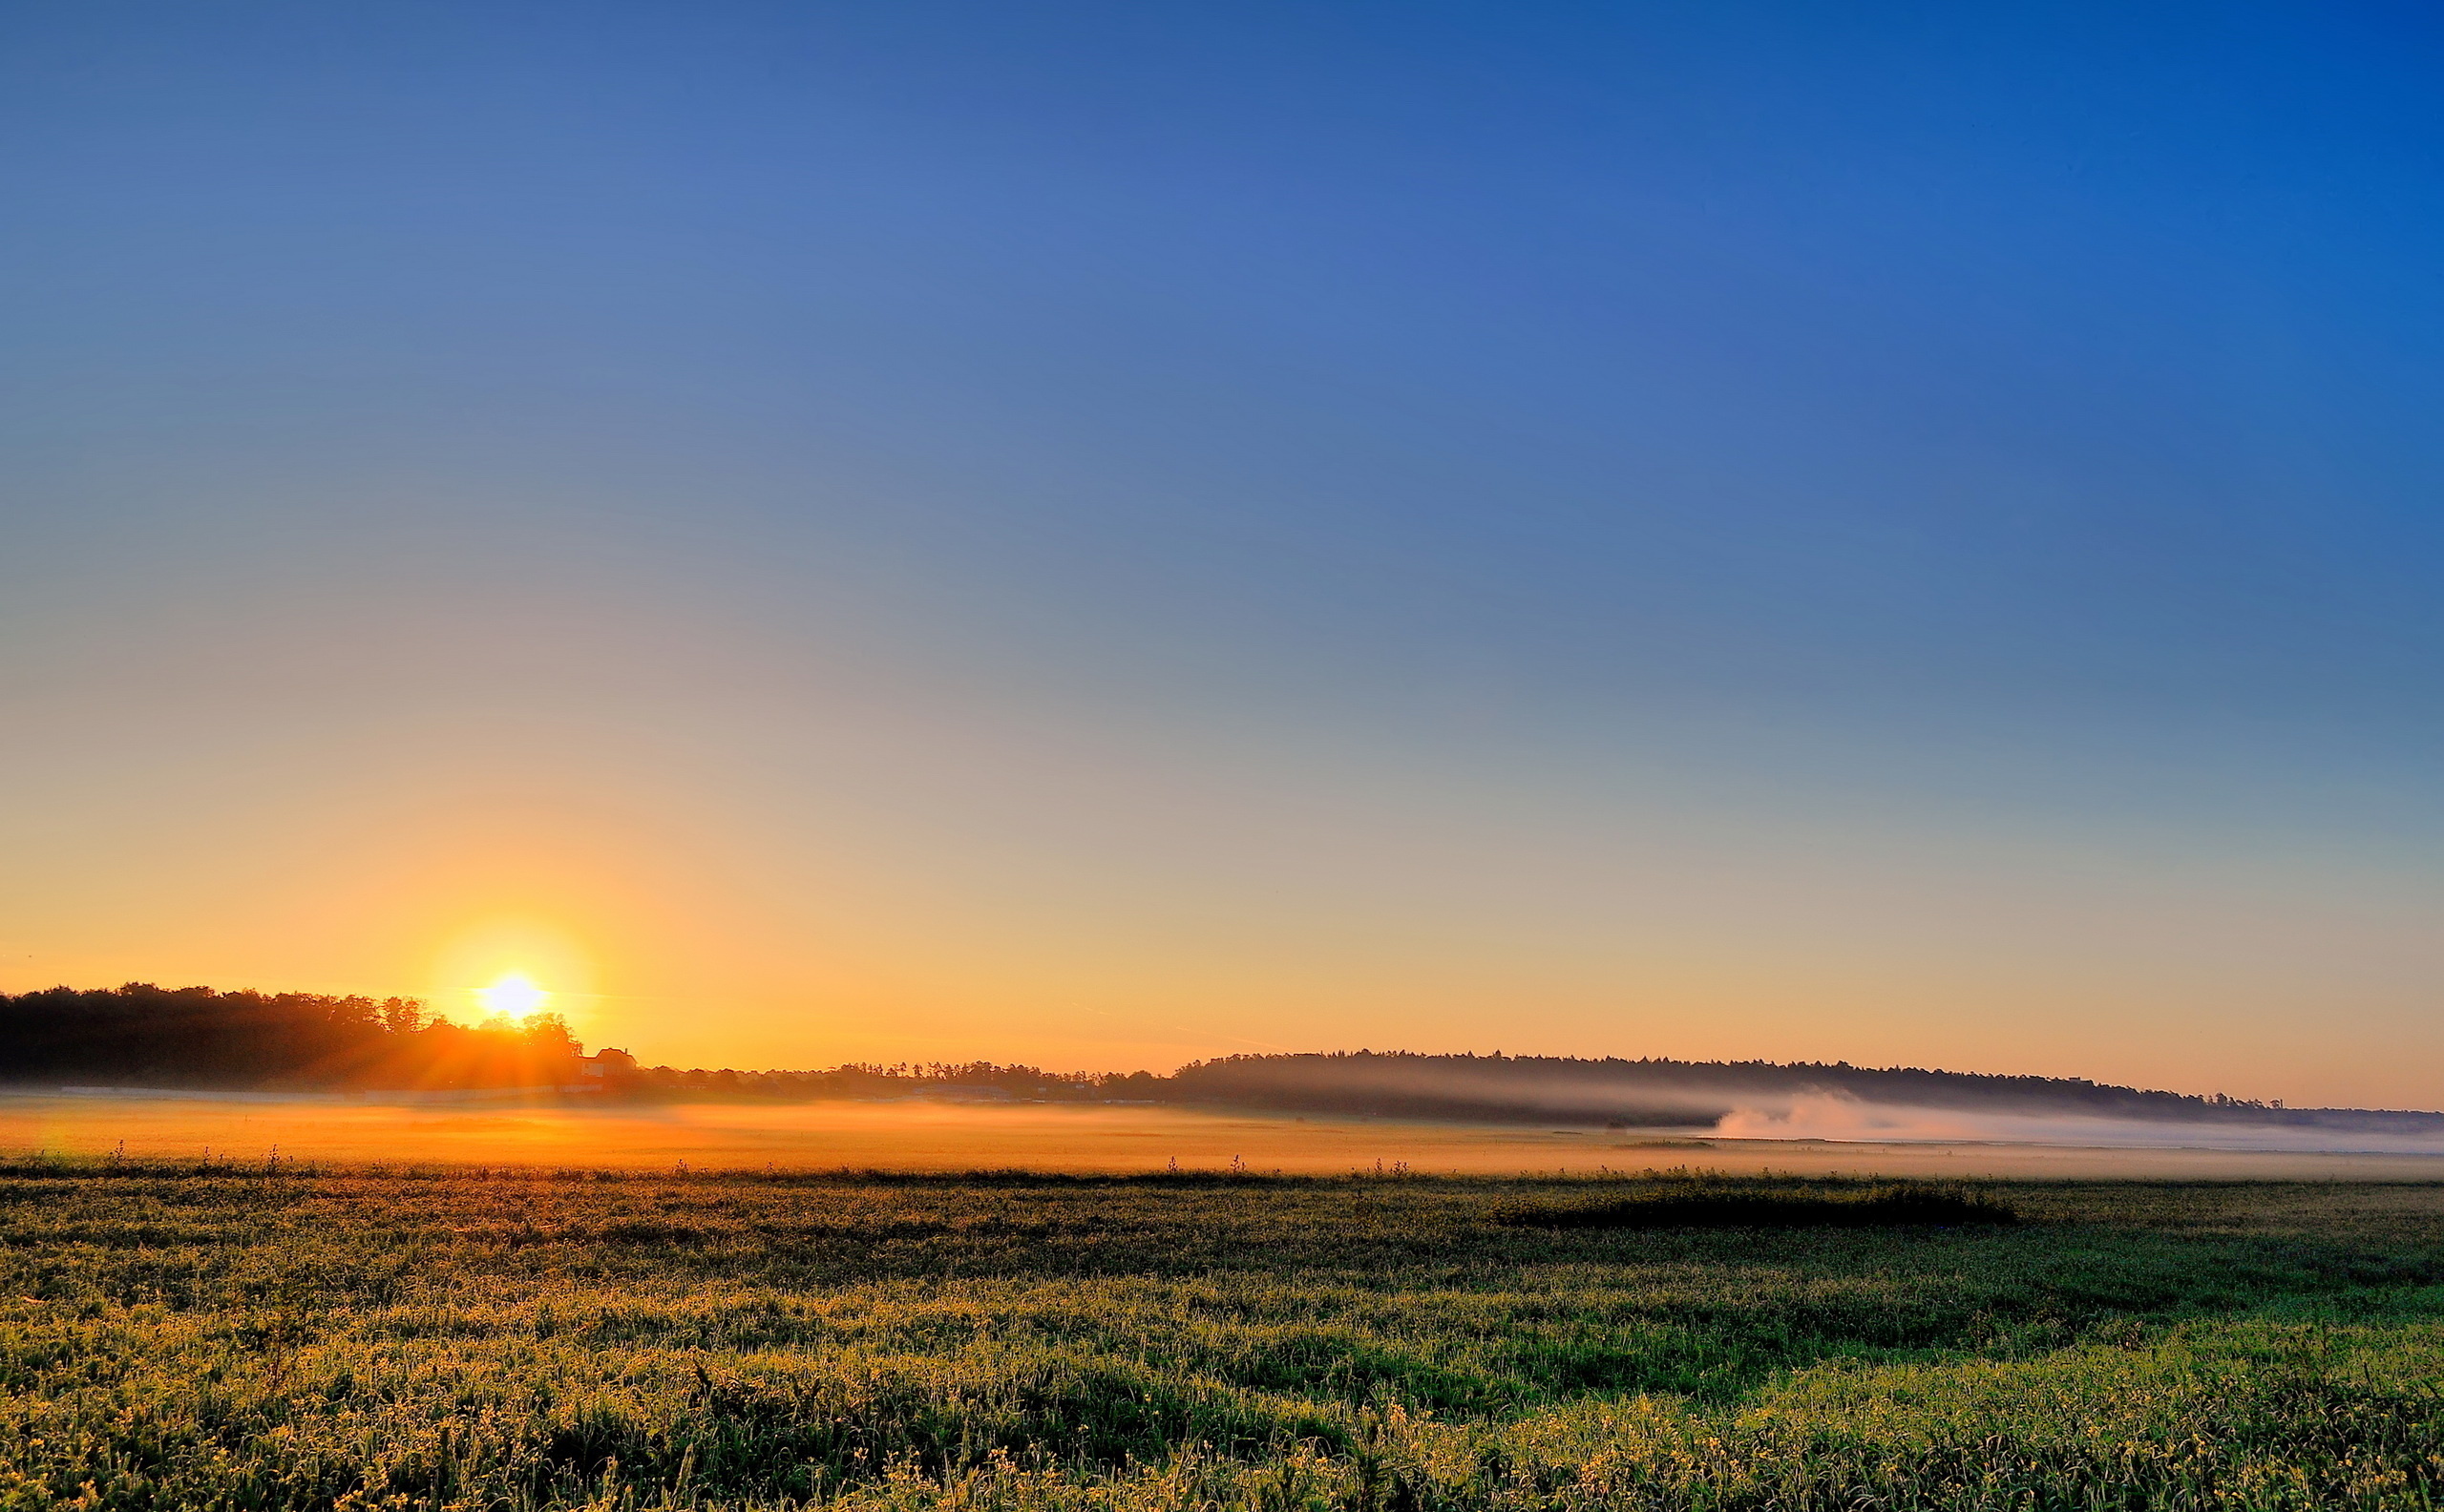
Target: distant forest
<point>1660,1093</point>
<point>194,1037</point>
<point>140,1035</point>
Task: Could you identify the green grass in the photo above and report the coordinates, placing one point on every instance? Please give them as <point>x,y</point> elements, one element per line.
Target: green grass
<point>208,1338</point>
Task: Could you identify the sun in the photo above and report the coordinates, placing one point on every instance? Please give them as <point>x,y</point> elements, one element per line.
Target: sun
<point>515,995</point>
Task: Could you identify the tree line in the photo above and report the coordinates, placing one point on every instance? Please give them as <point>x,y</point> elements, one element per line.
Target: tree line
<point>195,1037</point>
<point>1658,1092</point>
<point>141,1035</point>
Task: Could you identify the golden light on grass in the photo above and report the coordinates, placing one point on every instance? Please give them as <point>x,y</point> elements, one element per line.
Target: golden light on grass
<point>514,996</point>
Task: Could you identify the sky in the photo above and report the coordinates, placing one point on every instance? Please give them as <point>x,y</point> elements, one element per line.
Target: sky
<point>1110,534</point>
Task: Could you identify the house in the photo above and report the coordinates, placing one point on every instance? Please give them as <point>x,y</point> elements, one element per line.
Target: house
<point>595,1071</point>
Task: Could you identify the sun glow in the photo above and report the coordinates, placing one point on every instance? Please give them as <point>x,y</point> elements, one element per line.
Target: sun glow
<point>515,995</point>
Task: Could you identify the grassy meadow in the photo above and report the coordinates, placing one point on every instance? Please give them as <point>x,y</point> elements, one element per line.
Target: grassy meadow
<point>198,1335</point>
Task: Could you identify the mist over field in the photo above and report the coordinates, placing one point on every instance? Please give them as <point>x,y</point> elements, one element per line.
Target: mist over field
<point>265,1130</point>
<point>181,1072</point>
<point>1763,1100</point>
<point>1834,1116</point>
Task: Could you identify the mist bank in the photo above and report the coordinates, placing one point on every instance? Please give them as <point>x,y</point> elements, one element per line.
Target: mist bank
<point>1729,1097</point>
<point>1830,1118</point>
<point>254,1131</point>
<point>195,1037</point>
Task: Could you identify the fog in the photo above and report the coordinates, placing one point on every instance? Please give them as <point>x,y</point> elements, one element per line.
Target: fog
<point>1834,1116</point>
<point>1788,1103</point>
<point>1808,1135</point>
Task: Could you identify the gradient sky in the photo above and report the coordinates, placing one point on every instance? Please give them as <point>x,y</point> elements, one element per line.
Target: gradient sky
<point>1113,534</point>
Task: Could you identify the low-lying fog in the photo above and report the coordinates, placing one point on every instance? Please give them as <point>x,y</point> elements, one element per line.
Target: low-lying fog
<point>1807,1135</point>
<point>1849,1119</point>
<point>1843,1103</point>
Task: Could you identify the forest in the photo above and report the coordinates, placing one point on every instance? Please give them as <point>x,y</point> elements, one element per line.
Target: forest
<point>195,1037</point>
<point>145,1036</point>
<point>1661,1092</point>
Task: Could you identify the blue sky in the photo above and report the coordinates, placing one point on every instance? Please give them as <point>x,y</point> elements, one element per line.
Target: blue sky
<point>1901,446</point>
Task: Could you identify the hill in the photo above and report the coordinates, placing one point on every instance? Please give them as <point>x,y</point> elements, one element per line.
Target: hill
<point>1663,1093</point>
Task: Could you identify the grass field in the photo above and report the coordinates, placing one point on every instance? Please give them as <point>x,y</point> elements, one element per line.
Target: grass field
<point>206,1338</point>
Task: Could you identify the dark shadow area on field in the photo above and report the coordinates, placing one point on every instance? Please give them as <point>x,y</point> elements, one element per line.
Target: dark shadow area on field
<point>1898,1207</point>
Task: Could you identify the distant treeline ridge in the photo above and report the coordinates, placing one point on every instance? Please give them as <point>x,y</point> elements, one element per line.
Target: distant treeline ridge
<point>141,1035</point>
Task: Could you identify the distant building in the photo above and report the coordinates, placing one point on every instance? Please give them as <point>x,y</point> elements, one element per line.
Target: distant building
<point>594,1071</point>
